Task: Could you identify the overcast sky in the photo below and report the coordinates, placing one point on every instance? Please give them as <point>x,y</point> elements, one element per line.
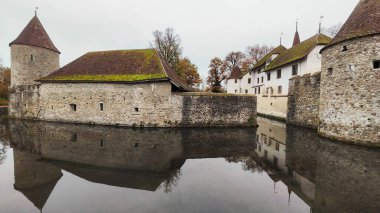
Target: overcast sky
<point>208,28</point>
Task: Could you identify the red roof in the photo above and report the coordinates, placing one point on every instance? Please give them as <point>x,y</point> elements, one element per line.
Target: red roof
<point>34,34</point>
<point>296,39</point>
<point>236,73</point>
<point>363,21</point>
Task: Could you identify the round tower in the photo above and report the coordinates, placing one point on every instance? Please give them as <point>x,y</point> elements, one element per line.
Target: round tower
<point>33,55</point>
<point>350,79</point>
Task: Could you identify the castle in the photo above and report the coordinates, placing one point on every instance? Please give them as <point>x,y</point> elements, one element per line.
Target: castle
<point>121,87</point>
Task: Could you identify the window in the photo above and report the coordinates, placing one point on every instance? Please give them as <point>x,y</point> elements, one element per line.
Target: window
<point>101,106</point>
<point>31,57</point>
<point>275,161</point>
<point>101,143</point>
<point>277,146</point>
<point>259,90</point>
<point>258,80</point>
<point>74,137</point>
<point>250,73</point>
<point>267,91</point>
<point>376,64</point>
<point>330,71</point>
<point>136,109</point>
<point>262,79</point>
<point>278,74</point>
<point>249,80</point>
<point>268,76</point>
<point>344,48</point>
<point>235,81</point>
<point>235,90</point>
<point>295,70</point>
<point>279,89</point>
<point>73,107</point>
<point>246,91</point>
<point>255,90</point>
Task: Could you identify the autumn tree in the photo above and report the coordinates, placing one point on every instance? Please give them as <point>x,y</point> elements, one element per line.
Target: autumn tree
<point>218,72</point>
<point>234,59</point>
<point>168,45</point>
<point>188,72</point>
<point>5,82</point>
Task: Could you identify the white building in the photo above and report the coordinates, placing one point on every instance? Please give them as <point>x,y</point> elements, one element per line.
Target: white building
<point>269,78</point>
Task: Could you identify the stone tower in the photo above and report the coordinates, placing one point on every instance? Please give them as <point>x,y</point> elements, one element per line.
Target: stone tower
<point>350,79</point>
<point>33,55</point>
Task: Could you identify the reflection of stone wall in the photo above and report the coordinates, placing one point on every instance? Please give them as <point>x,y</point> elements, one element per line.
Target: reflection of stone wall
<point>350,100</point>
<point>347,179</point>
<point>303,103</point>
<point>24,102</point>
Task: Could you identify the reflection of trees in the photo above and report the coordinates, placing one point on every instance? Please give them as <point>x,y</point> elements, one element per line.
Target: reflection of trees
<point>171,181</point>
<point>248,164</point>
<point>3,152</point>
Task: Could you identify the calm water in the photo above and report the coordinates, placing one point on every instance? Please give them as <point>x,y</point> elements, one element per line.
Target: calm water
<point>275,168</point>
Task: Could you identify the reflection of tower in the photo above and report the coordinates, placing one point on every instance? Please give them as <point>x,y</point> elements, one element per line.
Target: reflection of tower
<point>34,179</point>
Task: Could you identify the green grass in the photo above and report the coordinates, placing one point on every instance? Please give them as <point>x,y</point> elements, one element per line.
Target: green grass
<point>108,78</point>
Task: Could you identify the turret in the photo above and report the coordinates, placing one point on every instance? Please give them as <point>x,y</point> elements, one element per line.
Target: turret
<point>350,79</point>
<point>33,55</point>
<point>296,39</point>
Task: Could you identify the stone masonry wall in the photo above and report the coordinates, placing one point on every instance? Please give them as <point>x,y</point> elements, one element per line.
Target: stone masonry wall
<point>350,100</point>
<point>303,103</point>
<point>30,63</point>
<point>145,105</point>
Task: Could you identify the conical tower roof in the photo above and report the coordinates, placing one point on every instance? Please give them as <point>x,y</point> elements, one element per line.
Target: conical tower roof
<point>296,39</point>
<point>364,20</point>
<point>34,34</point>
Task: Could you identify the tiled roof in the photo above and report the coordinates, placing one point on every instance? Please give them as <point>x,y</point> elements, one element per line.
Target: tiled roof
<point>299,51</point>
<point>278,50</point>
<point>121,66</point>
<point>236,73</point>
<point>364,20</point>
<point>34,34</point>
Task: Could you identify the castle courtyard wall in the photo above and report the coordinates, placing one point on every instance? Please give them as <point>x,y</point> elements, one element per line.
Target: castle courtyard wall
<point>149,104</point>
<point>350,100</point>
<point>303,103</point>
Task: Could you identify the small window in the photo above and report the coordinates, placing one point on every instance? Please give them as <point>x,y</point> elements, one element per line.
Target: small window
<point>295,70</point>
<point>258,80</point>
<point>278,74</point>
<point>246,91</point>
<point>279,89</point>
<point>344,48</point>
<point>73,107</point>
<point>74,137</point>
<point>268,76</point>
<point>255,90</point>
<point>249,80</point>
<point>136,109</point>
<point>259,90</point>
<point>235,81</point>
<point>250,73</point>
<point>31,57</point>
<point>235,90</point>
<point>262,79</point>
<point>101,106</point>
<point>376,64</point>
<point>330,71</point>
<point>101,143</point>
<point>277,146</point>
<point>52,108</point>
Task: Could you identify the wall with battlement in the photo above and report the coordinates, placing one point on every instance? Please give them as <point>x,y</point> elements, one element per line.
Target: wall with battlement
<point>303,100</point>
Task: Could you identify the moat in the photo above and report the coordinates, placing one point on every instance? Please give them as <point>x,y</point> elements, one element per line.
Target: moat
<point>54,167</point>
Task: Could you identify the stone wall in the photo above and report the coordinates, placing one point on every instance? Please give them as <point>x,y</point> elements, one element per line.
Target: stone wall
<point>303,103</point>
<point>145,105</point>
<point>30,63</point>
<point>350,100</point>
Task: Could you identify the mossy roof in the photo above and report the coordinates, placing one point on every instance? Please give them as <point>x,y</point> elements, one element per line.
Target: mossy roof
<point>34,34</point>
<point>299,51</point>
<point>122,66</point>
<point>363,21</point>
<point>278,50</point>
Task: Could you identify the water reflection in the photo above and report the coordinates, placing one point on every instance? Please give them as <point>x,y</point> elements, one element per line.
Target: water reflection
<point>327,176</point>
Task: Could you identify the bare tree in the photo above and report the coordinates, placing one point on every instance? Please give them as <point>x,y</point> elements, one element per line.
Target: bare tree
<point>333,30</point>
<point>168,44</point>
<point>234,59</point>
<point>257,52</point>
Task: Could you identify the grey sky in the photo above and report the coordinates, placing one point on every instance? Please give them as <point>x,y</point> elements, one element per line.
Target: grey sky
<point>208,28</point>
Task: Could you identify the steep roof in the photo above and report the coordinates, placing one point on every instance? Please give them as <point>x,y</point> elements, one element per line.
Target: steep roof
<point>278,50</point>
<point>296,39</point>
<point>363,21</point>
<point>299,51</point>
<point>117,66</point>
<point>236,73</point>
<point>34,34</point>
